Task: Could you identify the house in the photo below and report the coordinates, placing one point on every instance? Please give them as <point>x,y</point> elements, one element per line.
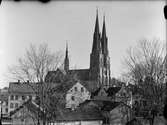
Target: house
<point>76,95</point>
<point>29,113</point>
<point>4,102</point>
<point>78,117</point>
<point>19,93</point>
<point>78,92</point>
<point>114,112</point>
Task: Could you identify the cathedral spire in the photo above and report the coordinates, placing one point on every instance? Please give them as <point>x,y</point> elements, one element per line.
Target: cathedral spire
<point>96,48</point>
<point>104,28</point>
<point>66,60</point>
<point>104,38</point>
<point>97,23</point>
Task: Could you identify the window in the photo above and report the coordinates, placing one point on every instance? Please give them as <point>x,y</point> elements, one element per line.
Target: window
<point>11,105</point>
<point>30,96</point>
<point>82,89</point>
<point>6,103</point>
<point>75,88</point>
<point>16,97</point>
<point>72,98</point>
<point>16,105</point>
<point>6,110</point>
<point>11,97</point>
<point>23,97</point>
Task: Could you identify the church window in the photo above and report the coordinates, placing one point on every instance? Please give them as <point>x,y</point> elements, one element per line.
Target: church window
<point>72,98</point>
<point>82,89</point>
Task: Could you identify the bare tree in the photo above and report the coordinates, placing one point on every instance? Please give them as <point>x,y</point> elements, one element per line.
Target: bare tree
<point>36,63</point>
<point>34,66</point>
<point>144,65</point>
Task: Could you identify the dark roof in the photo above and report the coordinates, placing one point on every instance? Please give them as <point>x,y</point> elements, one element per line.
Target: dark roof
<point>95,93</point>
<point>81,74</point>
<point>108,106</point>
<point>55,76</point>
<point>91,86</point>
<point>112,90</point>
<point>78,115</point>
<point>31,106</point>
<point>17,87</point>
<point>104,105</point>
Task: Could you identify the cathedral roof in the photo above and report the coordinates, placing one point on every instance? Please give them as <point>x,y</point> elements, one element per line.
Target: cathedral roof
<point>81,74</point>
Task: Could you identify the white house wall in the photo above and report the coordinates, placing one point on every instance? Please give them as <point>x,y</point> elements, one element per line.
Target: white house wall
<point>79,96</point>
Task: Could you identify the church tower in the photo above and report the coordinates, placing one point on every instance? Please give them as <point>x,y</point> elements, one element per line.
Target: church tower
<point>99,57</point>
<point>106,58</point>
<point>96,57</point>
<point>66,60</point>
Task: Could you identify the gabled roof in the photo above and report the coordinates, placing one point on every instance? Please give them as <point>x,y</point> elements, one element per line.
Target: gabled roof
<point>103,105</point>
<point>17,87</point>
<point>112,90</point>
<point>78,115</point>
<point>55,76</point>
<point>30,105</point>
<point>91,86</point>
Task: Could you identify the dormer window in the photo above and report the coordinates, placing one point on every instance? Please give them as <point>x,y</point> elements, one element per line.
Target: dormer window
<point>75,88</point>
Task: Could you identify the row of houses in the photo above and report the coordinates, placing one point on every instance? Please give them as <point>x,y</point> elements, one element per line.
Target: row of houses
<point>20,103</point>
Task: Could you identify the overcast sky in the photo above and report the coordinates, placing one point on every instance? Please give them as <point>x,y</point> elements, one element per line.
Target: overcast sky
<point>55,23</point>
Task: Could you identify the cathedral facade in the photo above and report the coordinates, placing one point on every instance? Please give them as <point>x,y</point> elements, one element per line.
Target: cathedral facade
<point>99,70</point>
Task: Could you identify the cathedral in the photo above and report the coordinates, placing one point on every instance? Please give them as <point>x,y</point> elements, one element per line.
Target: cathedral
<point>99,70</point>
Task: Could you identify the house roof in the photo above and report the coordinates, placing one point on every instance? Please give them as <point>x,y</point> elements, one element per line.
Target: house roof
<point>112,90</point>
<point>17,87</point>
<point>30,105</point>
<point>104,105</point>
<point>79,115</point>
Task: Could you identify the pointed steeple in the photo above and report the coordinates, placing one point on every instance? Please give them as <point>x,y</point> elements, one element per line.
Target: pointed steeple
<point>96,38</point>
<point>97,23</point>
<point>66,60</point>
<point>104,28</point>
<point>104,38</point>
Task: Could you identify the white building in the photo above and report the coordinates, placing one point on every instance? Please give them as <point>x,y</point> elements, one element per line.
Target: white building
<point>77,94</point>
<point>19,93</point>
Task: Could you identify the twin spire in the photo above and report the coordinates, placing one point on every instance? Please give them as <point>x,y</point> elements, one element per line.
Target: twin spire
<point>100,42</point>
<point>97,25</point>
